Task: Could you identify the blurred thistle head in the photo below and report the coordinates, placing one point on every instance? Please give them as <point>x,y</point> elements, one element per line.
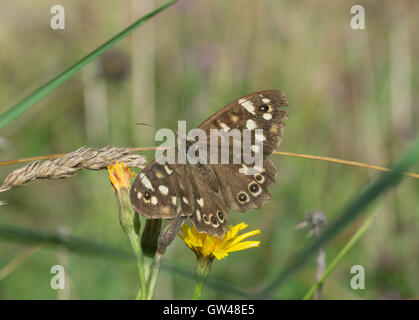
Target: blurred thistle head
<point>114,65</point>
<point>210,247</point>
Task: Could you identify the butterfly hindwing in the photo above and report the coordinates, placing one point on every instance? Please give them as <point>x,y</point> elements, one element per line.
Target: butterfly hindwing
<point>245,192</point>
<point>210,212</point>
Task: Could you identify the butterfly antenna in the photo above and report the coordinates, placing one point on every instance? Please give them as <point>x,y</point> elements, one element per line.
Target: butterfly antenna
<point>144,124</point>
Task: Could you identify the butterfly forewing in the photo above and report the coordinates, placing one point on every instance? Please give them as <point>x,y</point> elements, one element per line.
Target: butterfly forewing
<point>259,110</point>
<point>154,191</point>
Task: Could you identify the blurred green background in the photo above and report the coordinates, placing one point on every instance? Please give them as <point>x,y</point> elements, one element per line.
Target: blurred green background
<point>352,94</point>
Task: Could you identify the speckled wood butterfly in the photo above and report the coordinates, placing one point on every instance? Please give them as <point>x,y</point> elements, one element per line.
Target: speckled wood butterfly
<point>206,192</point>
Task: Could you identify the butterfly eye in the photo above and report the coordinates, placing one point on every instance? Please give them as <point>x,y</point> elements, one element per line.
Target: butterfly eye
<point>147,195</point>
<point>242,197</point>
<point>263,108</point>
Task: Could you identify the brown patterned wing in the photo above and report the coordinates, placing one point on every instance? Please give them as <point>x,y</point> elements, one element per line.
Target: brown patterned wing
<point>244,192</point>
<point>210,212</point>
<point>154,191</point>
<point>258,110</point>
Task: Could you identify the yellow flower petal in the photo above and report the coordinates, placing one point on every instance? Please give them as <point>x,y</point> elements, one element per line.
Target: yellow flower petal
<point>242,237</point>
<point>119,175</point>
<point>212,247</point>
<point>244,245</point>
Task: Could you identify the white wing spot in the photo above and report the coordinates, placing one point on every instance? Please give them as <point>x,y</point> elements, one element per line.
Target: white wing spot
<point>139,195</point>
<point>200,202</point>
<point>250,124</point>
<point>225,127</point>
<point>164,190</point>
<point>146,182</point>
<point>266,100</point>
<point>244,169</point>
<point>168,171</point>
<point>250,171</point>
<point>174,201</point>
<point>267,116</point>
<point>154,200</point>
<point>248,105</point>
<point>259,169</point>
<point>198,215</point>
<point>260,137</point>
<point>185,200</point>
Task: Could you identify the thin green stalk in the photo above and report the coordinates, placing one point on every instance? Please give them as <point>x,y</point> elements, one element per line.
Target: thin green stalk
<point>148,262</point>
<point>339,257</point>
<point>155,269</point>
<point>135,243</point>
<point>198,288</point>
<point>203,267</point>
<point>54,83</point>
<point>352,210</point>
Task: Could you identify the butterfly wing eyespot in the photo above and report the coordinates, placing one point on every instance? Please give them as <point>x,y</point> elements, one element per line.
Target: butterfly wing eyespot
<point>242,197</point>
<point>260,178</point>
<point>263,108</point>
<point>147,195</point>
<point>253,187</point>
<point>214,220</point>
<point>152,192</point>
<point>220,215</point>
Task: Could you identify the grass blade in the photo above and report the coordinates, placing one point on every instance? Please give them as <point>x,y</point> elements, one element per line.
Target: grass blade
<point>352,210</point>
<point>83,246</point>
<point>339,257</point>
<point>21,234</point>
<point>54,83</point>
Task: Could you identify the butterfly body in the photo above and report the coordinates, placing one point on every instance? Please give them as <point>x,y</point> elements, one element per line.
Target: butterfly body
<point>207,191</point>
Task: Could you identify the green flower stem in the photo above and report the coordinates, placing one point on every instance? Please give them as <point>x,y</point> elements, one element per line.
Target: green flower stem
<point>148,262</point>
<point>131,227</point>
<point>154,274</point>
<point>339,257</point>
<point>203,267</point>
<point>149,240</point>
<point>135,243</point>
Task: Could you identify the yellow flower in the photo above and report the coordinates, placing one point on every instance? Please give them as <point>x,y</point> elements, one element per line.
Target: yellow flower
<point>119,175</point>
<point>207,246</point>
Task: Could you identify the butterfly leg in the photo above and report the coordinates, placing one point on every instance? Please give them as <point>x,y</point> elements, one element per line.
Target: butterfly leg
<point>170,231</point>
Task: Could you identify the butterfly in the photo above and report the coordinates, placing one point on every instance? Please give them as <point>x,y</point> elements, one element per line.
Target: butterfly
<point>207,192</point>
